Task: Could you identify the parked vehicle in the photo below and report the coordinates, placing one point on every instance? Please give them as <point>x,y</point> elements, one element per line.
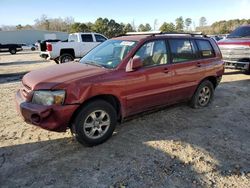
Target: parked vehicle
<point>31,47</point>
<point>77,46</point>
<point>119,78</point>
<point>215,37</point>
<point>236,49</point>
<point>12,48</point>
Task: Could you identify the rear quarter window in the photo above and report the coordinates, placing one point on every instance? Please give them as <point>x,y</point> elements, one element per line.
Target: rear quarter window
<point>205,49</point>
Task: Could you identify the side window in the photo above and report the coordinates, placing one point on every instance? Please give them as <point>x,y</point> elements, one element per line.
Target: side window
<point>153,53</point>
<point>87,38</point>
<point>205,49</point>
<point>100,38</point>
<point>182,50</point>
<point>73,38</point>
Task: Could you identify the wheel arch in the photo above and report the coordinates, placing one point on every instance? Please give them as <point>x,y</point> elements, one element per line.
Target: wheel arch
<point>70,51</point>
<point>111,99</point>
<point>212,79</point>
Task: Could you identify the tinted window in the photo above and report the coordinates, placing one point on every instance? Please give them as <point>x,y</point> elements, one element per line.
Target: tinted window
<point>100,38</point>
<point>87,38</point>
<point>205,48</point>
<point>182,50</point>
<point>153,53</point>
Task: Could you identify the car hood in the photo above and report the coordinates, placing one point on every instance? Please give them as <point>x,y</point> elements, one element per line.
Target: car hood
<point>51,76</point>
<point>234,41</point>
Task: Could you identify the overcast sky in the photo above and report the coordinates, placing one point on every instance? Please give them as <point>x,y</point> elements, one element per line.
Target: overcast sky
<point>13,12</point>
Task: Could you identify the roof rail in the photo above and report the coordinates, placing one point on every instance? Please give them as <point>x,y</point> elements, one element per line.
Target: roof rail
<point>153,33</point>
<point>144,33</point>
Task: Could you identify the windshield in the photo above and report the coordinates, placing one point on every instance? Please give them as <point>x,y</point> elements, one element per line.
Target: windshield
<point>108,54</point>
<point>240,32</point>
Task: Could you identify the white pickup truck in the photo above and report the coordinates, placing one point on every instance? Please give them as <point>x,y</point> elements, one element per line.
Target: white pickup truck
<point>77,46</point>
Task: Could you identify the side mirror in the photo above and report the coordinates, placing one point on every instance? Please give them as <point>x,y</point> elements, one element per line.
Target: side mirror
<point>134,64</point>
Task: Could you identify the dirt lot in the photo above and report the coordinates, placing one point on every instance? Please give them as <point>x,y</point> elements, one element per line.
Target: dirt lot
<point>174,147</point>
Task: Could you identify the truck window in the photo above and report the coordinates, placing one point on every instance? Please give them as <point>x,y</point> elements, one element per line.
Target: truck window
<point>100,38</point>
<point>205,48</point>
<point>181,50</point>
<point>87,38</point>
<point>73,38</point>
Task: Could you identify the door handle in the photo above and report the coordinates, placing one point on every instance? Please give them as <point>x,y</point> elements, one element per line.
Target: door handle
<point>165,70</point>
<point>198,64</point>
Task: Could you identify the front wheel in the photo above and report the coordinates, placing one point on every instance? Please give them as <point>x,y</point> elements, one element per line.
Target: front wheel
<point>65,58</point>
<point>94,123</point>
<point>203,95</point>
<point>13,51</point>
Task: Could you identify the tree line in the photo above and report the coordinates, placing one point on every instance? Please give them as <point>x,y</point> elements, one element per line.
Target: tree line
<point>111,28</point>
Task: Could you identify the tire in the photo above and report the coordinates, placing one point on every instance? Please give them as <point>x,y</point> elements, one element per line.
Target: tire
<point>203,95</point>
<point>56,61</point>
<point>65,58</point>
<point>12,51</point>
<point>87,126</point>
<point>248,71</point>
<point>33,48</point>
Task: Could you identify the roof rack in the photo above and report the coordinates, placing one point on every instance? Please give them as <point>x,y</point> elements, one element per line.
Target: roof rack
<point>153,33</point>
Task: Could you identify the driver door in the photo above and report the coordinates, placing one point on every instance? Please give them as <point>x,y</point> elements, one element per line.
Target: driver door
<point>149,86</point>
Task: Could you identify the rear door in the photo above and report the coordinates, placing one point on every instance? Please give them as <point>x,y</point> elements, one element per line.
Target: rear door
<point>149,86</point>
<point>187,68</point>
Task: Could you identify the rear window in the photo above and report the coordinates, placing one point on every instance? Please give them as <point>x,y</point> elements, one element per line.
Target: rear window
<point>87,38</point>
<point>100,38</point>
<point>182,50</point>
<point>205,49</point>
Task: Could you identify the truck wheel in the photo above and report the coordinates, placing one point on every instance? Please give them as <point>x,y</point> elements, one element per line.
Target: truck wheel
<point>56,61</point>
<point>33,48</point>
<point>12,51</point>
<point>65,58</point>
<point>203,95</point>
<point>95,123</point>
<point>248,71</point>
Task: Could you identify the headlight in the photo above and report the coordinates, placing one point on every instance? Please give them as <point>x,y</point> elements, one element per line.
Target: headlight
<point>49,97</point>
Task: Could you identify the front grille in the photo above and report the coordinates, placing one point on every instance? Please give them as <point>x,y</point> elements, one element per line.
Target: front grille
<point>235,52</point>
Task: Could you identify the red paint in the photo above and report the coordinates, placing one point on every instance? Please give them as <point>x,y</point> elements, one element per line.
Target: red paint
<point>138,91</point>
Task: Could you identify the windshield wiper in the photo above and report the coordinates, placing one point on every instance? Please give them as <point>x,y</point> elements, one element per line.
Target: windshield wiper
<point>95,64</point>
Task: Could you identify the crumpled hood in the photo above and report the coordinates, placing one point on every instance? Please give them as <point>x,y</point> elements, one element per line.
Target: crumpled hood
<point>51,76</point>
<point>235,41</point>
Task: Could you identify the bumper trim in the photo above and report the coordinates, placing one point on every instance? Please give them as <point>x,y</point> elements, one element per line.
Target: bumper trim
<point>54,118</point>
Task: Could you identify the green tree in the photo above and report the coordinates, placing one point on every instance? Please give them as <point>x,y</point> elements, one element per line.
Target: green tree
<point>167,27</point>
<point>145,27</point>
<point>128,28</point>
<point>202,22</point>
<point>188,22</point>
<point>179,24</point>
<point>19,27</point>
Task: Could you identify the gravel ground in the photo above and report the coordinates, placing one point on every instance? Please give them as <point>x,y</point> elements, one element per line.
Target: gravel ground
<point>174,147</point>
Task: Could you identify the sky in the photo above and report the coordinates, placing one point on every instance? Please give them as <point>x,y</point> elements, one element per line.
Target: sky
<point>14,12</point>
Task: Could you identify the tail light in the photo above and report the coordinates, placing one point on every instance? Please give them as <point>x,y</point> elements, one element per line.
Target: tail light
<point>49,47</point>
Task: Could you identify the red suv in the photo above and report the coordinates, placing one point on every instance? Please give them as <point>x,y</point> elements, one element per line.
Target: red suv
<point>119,78</point>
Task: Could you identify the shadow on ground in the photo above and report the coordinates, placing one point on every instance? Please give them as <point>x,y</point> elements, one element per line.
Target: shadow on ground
<point>175,147</point>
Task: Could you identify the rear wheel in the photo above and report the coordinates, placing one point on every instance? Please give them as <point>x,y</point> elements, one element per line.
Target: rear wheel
<point>203,95</point>
<point>65,58</point>
<point>94,123</point>
<point>248,71</point>
<point>12,51</point>
<point>56,61</point>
